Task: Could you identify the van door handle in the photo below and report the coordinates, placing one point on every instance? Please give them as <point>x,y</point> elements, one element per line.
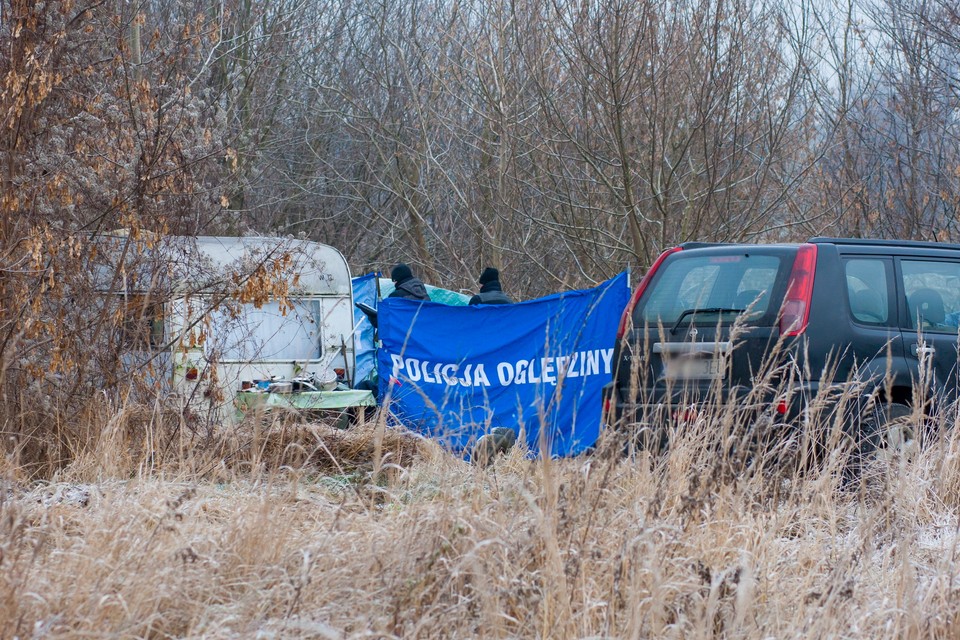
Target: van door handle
<point>922,349</point>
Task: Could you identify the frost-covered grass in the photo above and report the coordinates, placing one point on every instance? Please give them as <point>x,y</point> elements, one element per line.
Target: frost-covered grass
<point>390,542</point>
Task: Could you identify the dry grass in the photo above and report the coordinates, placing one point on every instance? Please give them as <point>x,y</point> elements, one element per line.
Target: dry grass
<point>303,531</point>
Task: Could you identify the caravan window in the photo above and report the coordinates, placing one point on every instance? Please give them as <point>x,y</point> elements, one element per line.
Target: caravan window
<point>267,333</point>
<point>142,322</point>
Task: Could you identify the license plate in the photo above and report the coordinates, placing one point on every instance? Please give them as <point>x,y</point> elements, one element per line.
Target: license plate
<point>694,369</point>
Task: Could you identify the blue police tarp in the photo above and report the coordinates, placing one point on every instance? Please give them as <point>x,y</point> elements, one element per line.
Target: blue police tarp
<point>538,367</point>
<point>365,291</point>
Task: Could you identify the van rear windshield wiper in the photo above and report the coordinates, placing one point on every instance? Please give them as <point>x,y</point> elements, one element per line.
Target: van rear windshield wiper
<point>695,311</point>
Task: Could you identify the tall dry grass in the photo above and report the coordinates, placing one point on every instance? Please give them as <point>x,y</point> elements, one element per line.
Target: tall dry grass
<point>283,529</point>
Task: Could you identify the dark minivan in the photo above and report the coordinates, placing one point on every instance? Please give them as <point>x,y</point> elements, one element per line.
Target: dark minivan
<point>708,319</point>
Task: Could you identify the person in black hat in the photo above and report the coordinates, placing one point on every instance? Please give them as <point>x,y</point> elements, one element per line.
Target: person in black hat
<point>407,286</point>
<point>490,290</point>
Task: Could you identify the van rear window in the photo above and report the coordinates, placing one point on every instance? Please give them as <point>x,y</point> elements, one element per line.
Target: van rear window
<point>742,282</point>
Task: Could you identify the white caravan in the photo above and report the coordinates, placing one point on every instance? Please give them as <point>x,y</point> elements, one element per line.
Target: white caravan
<point>219,314</point>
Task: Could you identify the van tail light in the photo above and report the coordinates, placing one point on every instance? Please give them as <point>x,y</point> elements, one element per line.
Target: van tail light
<point>644,283</point>
<point>192,373</point>
<point>795,313</point>
<point>686,415</point>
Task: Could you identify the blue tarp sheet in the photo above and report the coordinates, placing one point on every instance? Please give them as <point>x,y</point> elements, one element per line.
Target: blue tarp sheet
<point>538,367</point>
<point>365,291</point>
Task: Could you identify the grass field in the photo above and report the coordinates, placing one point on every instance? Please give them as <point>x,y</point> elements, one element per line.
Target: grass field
<point>307,532</point>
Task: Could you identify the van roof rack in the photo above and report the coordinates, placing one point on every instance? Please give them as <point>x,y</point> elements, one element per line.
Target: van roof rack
<point>869,242</point>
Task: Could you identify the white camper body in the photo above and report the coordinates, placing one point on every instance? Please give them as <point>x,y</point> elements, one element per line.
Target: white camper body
<point>225,312</point>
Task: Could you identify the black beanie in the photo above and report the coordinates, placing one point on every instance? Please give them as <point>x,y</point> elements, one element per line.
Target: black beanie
<point>401,273</point>
<point>489,275</point>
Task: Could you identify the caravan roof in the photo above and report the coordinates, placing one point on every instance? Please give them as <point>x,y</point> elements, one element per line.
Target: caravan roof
<point>206,263</point>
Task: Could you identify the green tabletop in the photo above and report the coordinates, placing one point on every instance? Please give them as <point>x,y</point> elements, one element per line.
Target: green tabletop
<point>247,400</point>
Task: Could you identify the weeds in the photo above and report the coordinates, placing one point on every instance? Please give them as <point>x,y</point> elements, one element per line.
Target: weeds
<point>285,528</point>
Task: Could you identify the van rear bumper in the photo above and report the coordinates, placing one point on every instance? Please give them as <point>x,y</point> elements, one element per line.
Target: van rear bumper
<point>785,405</point>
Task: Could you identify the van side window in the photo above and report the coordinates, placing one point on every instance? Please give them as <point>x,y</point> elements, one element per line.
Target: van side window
<point>932,291</point>
<point>868,290</point>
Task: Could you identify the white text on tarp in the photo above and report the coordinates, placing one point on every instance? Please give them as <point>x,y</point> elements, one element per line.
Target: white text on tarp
<point>547,370</point>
